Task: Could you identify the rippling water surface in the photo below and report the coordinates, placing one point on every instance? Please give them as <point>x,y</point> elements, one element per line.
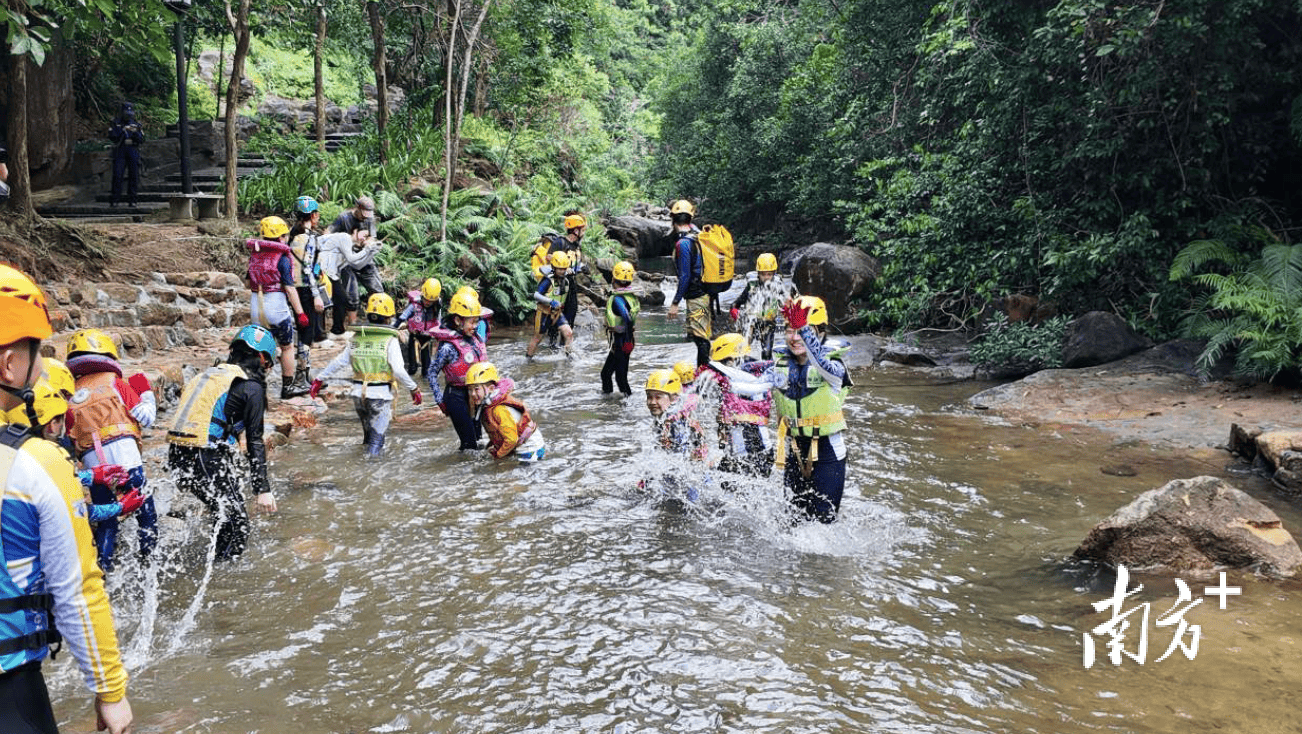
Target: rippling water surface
<point>440,592</point>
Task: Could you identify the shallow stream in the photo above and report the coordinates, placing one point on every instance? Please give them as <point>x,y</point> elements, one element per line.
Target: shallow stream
<point>440,592</point>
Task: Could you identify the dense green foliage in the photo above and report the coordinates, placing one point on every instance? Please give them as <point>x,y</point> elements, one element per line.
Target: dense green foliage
<point>1063,150</point>
<point>1254,306</point>
<point>1020,348</point>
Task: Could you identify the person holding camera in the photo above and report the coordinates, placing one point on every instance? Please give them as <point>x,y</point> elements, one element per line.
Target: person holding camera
<point>127,136</point>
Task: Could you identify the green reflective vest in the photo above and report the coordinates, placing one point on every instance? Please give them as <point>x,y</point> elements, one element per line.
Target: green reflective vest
<point>819,412</point>
<point>370,355</point>
<point>613,321</point>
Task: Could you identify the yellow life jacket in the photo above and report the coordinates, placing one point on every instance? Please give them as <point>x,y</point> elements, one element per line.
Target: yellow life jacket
<point>200,415</point>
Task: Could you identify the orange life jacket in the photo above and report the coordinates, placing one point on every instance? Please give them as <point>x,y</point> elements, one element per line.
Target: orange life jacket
<point>98,413</point>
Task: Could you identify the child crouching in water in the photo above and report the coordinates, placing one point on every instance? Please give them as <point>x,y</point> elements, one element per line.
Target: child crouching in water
<point>376,358</point>
<point>504,417</point>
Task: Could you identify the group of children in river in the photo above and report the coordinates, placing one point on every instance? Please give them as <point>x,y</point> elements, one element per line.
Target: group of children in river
<point>98,414</point>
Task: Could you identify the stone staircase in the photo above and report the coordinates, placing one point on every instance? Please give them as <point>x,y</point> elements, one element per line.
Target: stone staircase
<point>163,181</point>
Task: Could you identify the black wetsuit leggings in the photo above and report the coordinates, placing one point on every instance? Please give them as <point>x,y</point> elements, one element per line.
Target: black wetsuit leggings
<point>418,353</point>
<point>209,474</point>
<point>456,401</point>
<point>818,496</point>
<point>25,702</point>
<point>616,366</point>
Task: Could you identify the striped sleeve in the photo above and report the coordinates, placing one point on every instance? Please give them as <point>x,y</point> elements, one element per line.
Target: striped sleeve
<point>81,605</point>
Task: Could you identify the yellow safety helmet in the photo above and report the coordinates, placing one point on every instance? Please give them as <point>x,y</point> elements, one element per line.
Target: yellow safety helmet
<point>60,376</point>
<point>686,372</point>
<point>380,304</point>
<point>623,270</point>
<point>24,307</point>
<point>481,373</point>
<point>575,220</point>
<point>431,289</point>
<point>682,206</point>
<point>817,309</point>
<point>272,227</point>
<point>50,403</point>
<point>560,259</point>
<point>465,302</point>
<point>92,341</point>
<point>729,346</point>
<point>766,263</point>
<point>664,381</point>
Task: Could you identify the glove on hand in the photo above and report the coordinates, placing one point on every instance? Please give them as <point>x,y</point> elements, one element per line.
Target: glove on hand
<point>146,410</point>
<point>302,320</point>
<point>416,397</point>
<point>316,388</point>
<point>109,475</point>
<point>131,501</point>
<point>443,407</point>
<point>733,313</point>
<point>555,303</point>
<point>797,315</point>
<point>628,347</point>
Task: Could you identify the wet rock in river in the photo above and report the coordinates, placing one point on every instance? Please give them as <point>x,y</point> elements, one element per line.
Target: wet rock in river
<point>1197,524</point>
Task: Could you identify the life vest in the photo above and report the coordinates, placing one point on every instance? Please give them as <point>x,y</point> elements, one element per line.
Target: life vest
<point>369,354</point>
<point>201,413</point>
<point>264,256</point>
<point>735,408</point>
<point>557,290</point>
<point>469,351</point>
<point>303,262</point>
<point>768,296</point>
<point>423,320</point>
<point>613,321</point>
<point>820,412</point>
<point>98,413</point>
<point>492,423</point>
<point>717,256</point>
<point>26,618</point>
<point>681,412</point>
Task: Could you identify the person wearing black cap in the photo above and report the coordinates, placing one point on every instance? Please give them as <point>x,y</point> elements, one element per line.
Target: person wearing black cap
<point>127,136</point>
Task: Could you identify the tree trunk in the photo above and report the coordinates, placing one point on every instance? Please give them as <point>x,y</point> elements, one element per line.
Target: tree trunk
<point>381,76</point>
<point>319,75</point>
<point>449,157</point>
<point>240,26</point>
<point>465,71</point>
<point>20,174</point>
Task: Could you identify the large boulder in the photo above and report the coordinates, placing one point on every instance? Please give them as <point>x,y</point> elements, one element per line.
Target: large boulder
<point>836,273</point>
<point>1099,337</point>
<point>1197,524</point>
<point>641,236</point>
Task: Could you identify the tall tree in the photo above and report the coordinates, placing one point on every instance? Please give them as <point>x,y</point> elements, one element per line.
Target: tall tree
<point>318,51</point>
<point>452,125</point>
<point>381,76</point>
<point>20,176</point>
<point>239,23</point>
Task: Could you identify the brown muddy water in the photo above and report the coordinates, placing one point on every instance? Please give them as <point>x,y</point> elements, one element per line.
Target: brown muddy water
<point>438,592</point>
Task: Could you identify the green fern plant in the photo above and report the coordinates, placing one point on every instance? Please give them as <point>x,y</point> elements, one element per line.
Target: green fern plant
<point>1011,349</point>
<point>1252,306</point>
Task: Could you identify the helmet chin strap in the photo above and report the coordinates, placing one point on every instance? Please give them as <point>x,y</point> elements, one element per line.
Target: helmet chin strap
<point>26,394</point>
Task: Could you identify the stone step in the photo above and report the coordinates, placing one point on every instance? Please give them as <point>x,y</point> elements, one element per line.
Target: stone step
<point>161,197</point>
<point>70,211</point>
<point>215,175</point>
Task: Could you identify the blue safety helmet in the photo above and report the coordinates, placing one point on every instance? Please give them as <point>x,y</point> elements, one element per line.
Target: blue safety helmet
<point>259,339</point>
<point>305,205</point>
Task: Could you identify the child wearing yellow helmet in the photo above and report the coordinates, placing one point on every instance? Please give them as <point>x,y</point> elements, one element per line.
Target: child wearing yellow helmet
<point>375,356</point>
<point>810,383</point>
<point>274,304</point>
<point>621,316</point>
<point>675,426</point>
<point>744,405</point>
<point>460,347</point>
<point>105,417</point>
<point>758,306</point>
<point>689,268</point>
<point>422,315</point>
<point>504,417</point>
<point>550,296</point>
